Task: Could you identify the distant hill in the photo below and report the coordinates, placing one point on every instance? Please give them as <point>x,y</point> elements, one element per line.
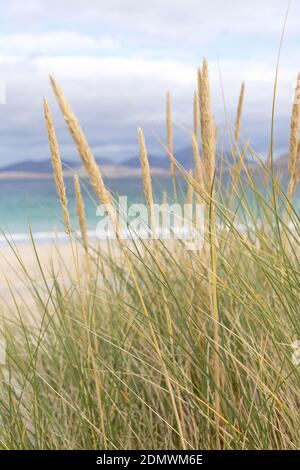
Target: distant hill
<point>184,157</point>
<point>155,162</point>
<point>106,162</point>
<point>281,163</point>
<point>32,169</point>
<point>126,168</point>
<point>34,166</point>
<point>45,166</point>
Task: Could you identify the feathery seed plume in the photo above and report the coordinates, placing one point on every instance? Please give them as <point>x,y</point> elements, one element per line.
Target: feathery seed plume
<point>81,213</point>
<point>86,155</point>
<point>146,173</point>
<point>207,128</point>
<point>199,98</point>
<point>198,164</point>
<point>170,136</point>
<point>82,144</point>
<point>294,141</point>
<point>237,127</point>
<point>208,150</point>
<point>57,166</point>
<point>190,190</point>
<point>196,115</point>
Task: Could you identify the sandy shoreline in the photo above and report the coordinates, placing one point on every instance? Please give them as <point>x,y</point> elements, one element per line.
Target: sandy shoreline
<point>22,253</point>
<point>20,265</point>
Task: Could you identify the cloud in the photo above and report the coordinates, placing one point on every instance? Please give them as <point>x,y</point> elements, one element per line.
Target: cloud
<point>117,59</point>
<point>112,96</point>
<point>54,42</point>
<point>192,19</point>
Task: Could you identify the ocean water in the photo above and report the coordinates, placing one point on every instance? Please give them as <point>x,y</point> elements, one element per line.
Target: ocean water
<point>33,205</point>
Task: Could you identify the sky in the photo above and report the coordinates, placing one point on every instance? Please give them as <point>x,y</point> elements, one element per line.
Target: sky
<point>115,61</point>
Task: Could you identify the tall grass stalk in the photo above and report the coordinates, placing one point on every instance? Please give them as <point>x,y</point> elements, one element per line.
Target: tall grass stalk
<point>294,141</point>
<point>81,215</point>
<point>162,346</point>
<point>196,115</point>
<point>170,143</point>
<point>146,175</point>
<point>208,144</point>
<point>237,126</point>
<point>57,166</point>
<point>85,153</point>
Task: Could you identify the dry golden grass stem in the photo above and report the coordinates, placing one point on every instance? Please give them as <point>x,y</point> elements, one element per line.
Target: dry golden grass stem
<point>238,120</point>
<point>269,160</point>
<point>216,132</point>
<point>297,166</point>
<point>190,188</point>
<point>207,128</point>
<point>170,135</point>
<point>57,166</point>
<point>199,98</point>
<point>196,115</point>
<point>81,213</point>
<point>208,149</point>
<point>198,165</point>
<point>86,155</point>
<point>146,175</point>
<point>104,197</point>
<point>294,142</point>
<point>239,165</point>
<point>170,144</point>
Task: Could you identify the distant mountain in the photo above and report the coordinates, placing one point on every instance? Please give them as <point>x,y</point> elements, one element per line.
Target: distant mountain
<point>155,162</point>
<point>45,166</point>
<point>106,162</point>
<point>281,163</point>
<point>184,157</point>
<point>131,166</point>
<point>34,166</point>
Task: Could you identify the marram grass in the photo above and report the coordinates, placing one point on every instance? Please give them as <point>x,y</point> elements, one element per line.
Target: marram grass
<point>81,214</point>
<point>294,141</point>
<point>166,348</point>
<point>57,166</point>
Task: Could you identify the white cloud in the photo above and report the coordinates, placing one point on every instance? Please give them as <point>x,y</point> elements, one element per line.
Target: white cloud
<point>54,42</point>
<point>110,59</point>
<point>191,19</point>
<point>114,95</point>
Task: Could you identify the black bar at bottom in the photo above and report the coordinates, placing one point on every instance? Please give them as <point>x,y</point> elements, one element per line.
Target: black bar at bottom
<point>128,459</point>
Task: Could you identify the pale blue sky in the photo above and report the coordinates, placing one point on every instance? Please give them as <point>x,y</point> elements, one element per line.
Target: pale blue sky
<point>117,59</point>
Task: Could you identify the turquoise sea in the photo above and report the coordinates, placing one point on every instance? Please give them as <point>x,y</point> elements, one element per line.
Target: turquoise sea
<point>26,204</point>
<point>33,205</point>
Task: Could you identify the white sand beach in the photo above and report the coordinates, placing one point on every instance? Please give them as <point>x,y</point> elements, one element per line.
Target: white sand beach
<point>23,264</point>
